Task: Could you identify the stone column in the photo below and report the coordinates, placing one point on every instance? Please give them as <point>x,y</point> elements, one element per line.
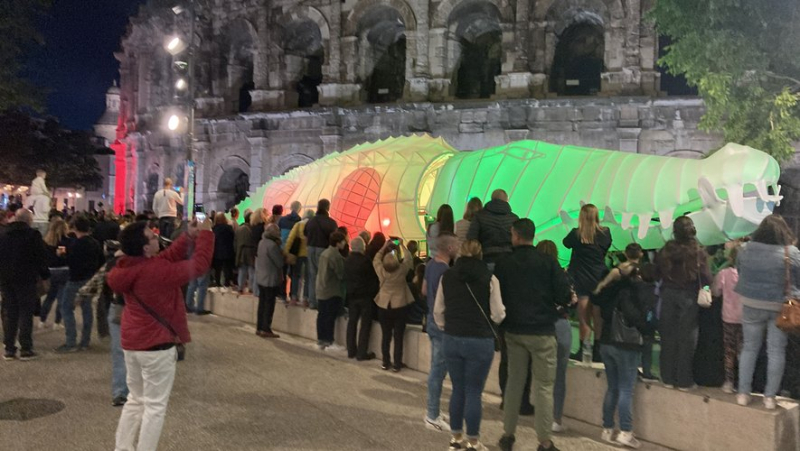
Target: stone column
<point>331,143</point>
<point>201,162</point>
<point>260,59</point>
<point>259,172</point>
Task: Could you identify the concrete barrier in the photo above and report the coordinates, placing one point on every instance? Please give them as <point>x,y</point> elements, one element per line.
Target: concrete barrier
<point>702,420</point>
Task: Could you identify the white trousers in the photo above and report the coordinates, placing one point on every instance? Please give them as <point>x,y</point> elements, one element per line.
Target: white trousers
<point>150,378</point>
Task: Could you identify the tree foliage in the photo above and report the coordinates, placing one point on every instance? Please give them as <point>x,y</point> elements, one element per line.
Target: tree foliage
<point>742,55</point>
<point>17,34</point>
<point>28,144</point>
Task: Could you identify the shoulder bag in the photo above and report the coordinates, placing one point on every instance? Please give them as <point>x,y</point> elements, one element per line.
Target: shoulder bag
<point>703,295</point>
<point>180,347</point>
<point>789,318</point>
<point>486,317</point>
<point>621,332</point>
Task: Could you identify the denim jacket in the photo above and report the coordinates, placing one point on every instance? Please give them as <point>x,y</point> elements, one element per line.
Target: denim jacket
<point>762,272</point>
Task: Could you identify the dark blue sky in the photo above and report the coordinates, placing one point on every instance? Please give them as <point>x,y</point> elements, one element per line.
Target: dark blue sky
<point>77,61</point>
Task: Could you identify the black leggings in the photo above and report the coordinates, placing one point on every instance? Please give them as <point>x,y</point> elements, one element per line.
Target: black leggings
<point>222,266</point>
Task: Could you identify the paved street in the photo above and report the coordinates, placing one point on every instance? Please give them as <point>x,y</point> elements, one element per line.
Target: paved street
<point>238,392</point>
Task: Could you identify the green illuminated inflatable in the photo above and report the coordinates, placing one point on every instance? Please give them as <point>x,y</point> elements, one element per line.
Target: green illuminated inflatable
<point>391,186</point>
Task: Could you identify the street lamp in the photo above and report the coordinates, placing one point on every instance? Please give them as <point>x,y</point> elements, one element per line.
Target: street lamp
<point>184,94</point>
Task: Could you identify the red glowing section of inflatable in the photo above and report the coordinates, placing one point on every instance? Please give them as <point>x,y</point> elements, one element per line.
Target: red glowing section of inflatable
<point>279,193</point>
<point>356,198</point>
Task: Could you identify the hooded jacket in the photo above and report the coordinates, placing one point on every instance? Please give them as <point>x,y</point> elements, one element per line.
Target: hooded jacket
<point>157,282</point>
<point>533,284</point>
<point>286,224</point>
<point>492,227</point>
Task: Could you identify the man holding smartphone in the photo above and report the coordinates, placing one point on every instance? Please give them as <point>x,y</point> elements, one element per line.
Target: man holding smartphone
<point>165,206</point>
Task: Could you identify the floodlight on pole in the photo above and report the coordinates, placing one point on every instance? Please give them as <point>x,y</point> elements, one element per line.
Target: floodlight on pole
<point>174,122</point>
<point>181,84</point>
<point>175,45</point>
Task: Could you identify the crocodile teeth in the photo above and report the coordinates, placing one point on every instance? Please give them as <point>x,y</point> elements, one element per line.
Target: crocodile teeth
<point>566,219</point>
<point>736,199</point>
<point>707,192</point>
<point>608,216</point>
<point>666,217</point>
<point>626,220</point>
<point>644,224</point>
<point>761,188</point>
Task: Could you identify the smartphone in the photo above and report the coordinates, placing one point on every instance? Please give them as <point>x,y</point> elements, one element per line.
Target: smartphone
<point>395,240</point>
<point>200,216</point>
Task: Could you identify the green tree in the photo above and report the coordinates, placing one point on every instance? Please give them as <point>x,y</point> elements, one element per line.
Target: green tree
<point>28,144</point>
<point>17,34</point>
<point>743,57</point>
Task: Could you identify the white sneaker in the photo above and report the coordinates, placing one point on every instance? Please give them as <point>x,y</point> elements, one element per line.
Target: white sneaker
<point>476,447</point>
<point>670,386</point>
<point>607,436</point>
<point>742,399</point>
<point>438,424</point>
<point>559,427</point>
<point>627,439</point>
<point>727,387</point>
<point>770,404</point>
<point>336,348</point>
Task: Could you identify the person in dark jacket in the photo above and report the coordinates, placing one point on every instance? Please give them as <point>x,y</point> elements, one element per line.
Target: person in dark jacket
<point>21,267</point>
<point>269,273</point>
<point>106,229</point>
<point>318,231</point>
<point>375,245</point>
<point>258,220</point>
<point>621,358</point>
<point>682,265</point>
<point>361,285</point>
<point>492,227</point>
<point>224,251</point>
<point>468,296</point>
<point>589,243</point>
<point>533,286</point>
<point>290,271</point>
<point>84,257</point>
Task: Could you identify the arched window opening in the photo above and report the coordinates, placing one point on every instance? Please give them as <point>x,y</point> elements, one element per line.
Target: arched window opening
<point>241,48</point>
<point>245,100</point>
<point>233,187</point>
<point>578,61</point>
<point>382,68</point>
<point>305,57</point>
<point>475,28</point>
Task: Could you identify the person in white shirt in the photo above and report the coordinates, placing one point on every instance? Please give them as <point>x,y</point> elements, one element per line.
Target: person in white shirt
<point>165,206</point>
<point>39,200</point>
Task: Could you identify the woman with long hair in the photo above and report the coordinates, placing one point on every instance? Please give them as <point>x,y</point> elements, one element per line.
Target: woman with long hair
<point>762,281</point>
<point>56,241</point>
<point>444,223</point>
<point>462,226</point>
<point>564,342</point>
<point>682,266</point>
<point>589,243</point>
<point>224,251</point>
<point>468,296</point>
<point>394,297</point>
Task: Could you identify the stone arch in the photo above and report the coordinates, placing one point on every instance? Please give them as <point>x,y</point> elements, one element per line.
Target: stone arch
<point>379,30</point>
<point>305,44</point>
<point>239,48</point>
<point>362,7</point>
<point>290,162</point>
<point>225,181</point>
<point>545,10</point>
<point>442,14</point>
<point>474,48</point>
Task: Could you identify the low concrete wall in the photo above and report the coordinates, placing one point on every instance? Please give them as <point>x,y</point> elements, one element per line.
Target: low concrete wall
<point>705,419</point>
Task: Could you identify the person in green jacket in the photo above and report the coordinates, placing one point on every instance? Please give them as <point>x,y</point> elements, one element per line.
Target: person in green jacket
<point>330,290</point>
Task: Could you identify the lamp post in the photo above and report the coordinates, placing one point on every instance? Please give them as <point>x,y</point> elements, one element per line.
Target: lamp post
<point>176,46</point>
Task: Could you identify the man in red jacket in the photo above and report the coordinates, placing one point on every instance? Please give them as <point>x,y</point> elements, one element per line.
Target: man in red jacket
<point>153,322</point>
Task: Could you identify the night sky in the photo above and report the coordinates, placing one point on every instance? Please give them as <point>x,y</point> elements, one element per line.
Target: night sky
<point>77,62</point>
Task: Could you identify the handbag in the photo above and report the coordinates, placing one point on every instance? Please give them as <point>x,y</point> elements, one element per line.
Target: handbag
<point>180,347</point>
<point>485,316</point>
<point>789,318</point>
<point>704,299</point>
<point>621,332</point>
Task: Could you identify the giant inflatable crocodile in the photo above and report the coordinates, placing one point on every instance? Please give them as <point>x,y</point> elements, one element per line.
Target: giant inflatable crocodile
<point>393,185</point>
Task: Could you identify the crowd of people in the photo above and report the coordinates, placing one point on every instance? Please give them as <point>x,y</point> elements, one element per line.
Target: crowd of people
<point>482,287</point>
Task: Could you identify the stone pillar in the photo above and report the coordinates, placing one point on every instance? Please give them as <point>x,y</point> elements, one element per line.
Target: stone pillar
<point>335,57</point>
<point>260,58</point>
<point>258,171</point>
<point>349,45</point>
<point>201,163</point>
<point>422,40</point>
<point>331,143</point>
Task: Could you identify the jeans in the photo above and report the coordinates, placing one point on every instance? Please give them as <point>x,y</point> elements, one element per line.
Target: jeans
<point>537,353</point>
<point>58,279</point>
<point>755,323</point>
<point>564,343</point>
<point>326,319</point>
<point>67,305</point>
<point>468,362</point>
<point>166,225</point>
<point>313,267</point>
<point>621,367</point>
<point>119,387</point>
<point>438,371</point>
<point>358,342</point>
<point>247,274</point>
<point>150,378</point>
<point>679,329</point>
<point>647,355</point>
<point>222,267</point>
<point>300,276</point>
<point>200,287</point>
<point>393,327</point>
<point>16,309</point>
<point>266,308</point>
